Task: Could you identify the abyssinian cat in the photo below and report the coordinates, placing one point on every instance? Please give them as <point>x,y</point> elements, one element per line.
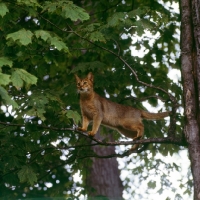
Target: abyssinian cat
<point>125,119</point>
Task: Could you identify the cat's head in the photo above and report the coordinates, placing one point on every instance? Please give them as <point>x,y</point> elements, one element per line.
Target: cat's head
<point>84,85</point>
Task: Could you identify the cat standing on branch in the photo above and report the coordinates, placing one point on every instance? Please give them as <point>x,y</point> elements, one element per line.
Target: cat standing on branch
<point>125,119</point>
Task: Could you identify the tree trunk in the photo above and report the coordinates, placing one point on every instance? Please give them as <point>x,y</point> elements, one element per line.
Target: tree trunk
<point>103,179</point>
<point>190,67</point>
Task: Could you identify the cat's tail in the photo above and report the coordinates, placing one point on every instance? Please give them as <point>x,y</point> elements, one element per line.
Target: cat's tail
<point>154,116</point>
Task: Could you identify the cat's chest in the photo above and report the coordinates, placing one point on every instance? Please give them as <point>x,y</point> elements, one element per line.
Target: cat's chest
<point>89,108</point>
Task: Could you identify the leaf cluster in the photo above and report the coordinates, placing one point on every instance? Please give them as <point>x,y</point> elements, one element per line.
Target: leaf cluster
<point>43,44</point>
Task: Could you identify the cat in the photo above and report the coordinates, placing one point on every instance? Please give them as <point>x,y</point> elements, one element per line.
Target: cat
<point>125,119</point>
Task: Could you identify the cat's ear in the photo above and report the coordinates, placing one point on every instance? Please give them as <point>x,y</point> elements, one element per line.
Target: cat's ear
<point>77,78</point>
<point>90,76</point>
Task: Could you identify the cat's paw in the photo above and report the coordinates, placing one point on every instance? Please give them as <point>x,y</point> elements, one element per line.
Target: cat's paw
<point>81,129</point>
<point>90,133</point>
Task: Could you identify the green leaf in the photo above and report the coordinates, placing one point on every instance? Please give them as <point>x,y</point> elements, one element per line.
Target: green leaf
<point>91,27</point>
<point>5,61</point>
<point>67,10</point>
<point>140,28</point>
<point>53,97</point>
<point>116,19</point>
<point>59,44</point>
<point>38,100</point>
<point>6,98</point>
<point>24,36</point>
<point>54,41</point>
<point>31,112</point>
<point>16,80</point>
<point>40,113</point>
<point>32,3</point>
<point>26,174</point>
<point>73,115</point>
<point>26,77</point>
<point>45,35</point>
<point>97,36</point>
<point>19,76</point>
<point>147,24</point>
<point>70,10</point>
<point>4,79</point>
<point>3,9</point>
<point>142,25</point>
<point>137,12</point>
<point>13,161</point>
<point>50,6</point>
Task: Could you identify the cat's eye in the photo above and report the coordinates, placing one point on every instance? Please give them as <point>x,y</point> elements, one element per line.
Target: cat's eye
<point>78,84</point>
<point>85,83</point>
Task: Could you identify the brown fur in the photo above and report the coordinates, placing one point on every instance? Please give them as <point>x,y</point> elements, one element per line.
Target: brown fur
<point>125,119</point>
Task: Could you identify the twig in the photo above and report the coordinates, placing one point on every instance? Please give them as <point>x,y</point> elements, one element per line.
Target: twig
<point>119,49</point>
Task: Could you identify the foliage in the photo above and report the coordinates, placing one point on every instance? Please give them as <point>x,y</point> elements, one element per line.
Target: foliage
<point>43,43</point>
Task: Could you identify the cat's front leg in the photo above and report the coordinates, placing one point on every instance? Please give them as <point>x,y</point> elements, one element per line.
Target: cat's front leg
<point>85,123</point>
<point>96,123</point>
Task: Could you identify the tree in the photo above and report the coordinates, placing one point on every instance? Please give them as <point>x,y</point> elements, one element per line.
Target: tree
<point>44,43</point>
<point>190,65</point>
<point>97,181</point>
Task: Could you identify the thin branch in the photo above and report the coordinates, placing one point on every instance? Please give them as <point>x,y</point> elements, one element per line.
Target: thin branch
<point>167,140</point>
<point>115,155</point>
<point>63,30</point>
<point>172,98</point>
<point>9,124</point>
<point>119,49</point>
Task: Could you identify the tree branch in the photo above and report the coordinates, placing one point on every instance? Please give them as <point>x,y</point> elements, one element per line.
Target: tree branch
<point>166,140</point>
<point>172,98</point>
<point>175,105</point>
<point>171,131</point>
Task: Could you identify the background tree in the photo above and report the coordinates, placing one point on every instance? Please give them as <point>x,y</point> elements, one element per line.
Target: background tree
<point>43,43</point>
<point>190,67</point>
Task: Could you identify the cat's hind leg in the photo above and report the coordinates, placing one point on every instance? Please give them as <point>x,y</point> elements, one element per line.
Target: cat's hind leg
<point>132,130</point>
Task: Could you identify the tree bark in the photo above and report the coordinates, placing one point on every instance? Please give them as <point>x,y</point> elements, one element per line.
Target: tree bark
<point>103,179</point>
<point>190,62</point>
<point>196,28</point>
